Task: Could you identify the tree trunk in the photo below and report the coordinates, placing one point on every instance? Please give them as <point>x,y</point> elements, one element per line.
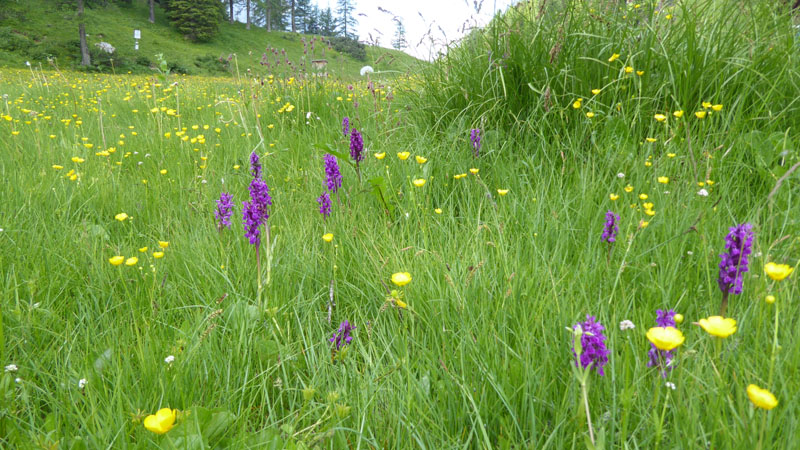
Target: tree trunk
<point>85,59</point>
<point>230,3</point>
<point>269,15</point>
<point>248,15</point>
<point>152,11</point>
<point>292,13</point>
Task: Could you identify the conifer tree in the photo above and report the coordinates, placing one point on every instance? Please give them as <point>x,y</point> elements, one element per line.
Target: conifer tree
<point>198,20</point>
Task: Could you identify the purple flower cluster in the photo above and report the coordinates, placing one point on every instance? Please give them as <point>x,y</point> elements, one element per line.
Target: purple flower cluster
<point>324,201</point>
<point>346,126</point>
<point>255,165</point>
<point>256,212</point>
<point>662,358</point>
<point>475,138</point>
<point>610,228</point>
<point>224,210</point>
<point>333,178</point>
<point>593,345</point>
<point>342,337</point>
<point>738,244</point>
<point>356,146</point>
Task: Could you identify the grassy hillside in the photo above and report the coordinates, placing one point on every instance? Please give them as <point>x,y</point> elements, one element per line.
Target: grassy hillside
<point>34,30</point>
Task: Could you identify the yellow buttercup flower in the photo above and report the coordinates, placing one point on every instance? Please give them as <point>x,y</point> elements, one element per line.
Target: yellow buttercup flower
<point>403,155</point>
<point>577,103</point>
<point>770,299</point>
<point>77,159</point>
<point>502,191</point>
<point>163,244</point>
<point>700,114</point>
<point>640,72</point>
<point>419,182</point>
<point>660,117</point>
<point>131,261</point>
<point>121,216</point>
<point>678,114</point>
<point>628,188</point>
<point>613,197</point>
<point>678,318</point>
<point>327,237</point>
<point>421,160</point>
<point>718,326</point>
<point>57,167</point>
<point>401,278</point>
<point>665,338</point>
<point>158,255</point>
<point>401,303</point>
<point>761,398</point>
<point>589,115</point>
<point>670,155</point>
<point>629,69</point>
<point>595,91</point>
<point>143,250</point>
<point>116,260</point>
<point>380,155</point>
<point>716,107</point>
<point>160,422</point>
<point>459,176</point>
<point>163,171</point>
<point>642,196</point>
<point>438,210</point>
<point>614,57</point>
<point>650,140</point>
<point>778,271</point>
<point>706,105</point>
<point>236,167</point>
<point>663,180</point>
<point>474,171</point>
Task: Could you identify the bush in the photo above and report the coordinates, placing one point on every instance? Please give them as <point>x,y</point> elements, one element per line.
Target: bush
<point>349,46</point>
<point>211,63</point>
<point>12,41</point>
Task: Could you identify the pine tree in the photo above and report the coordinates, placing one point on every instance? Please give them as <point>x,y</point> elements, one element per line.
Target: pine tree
<point>347,21</point>
<point>198,20</point>
<point>327,24</point>
<point>302,14</point>
<point>399,41</point>
<point>312,21</point>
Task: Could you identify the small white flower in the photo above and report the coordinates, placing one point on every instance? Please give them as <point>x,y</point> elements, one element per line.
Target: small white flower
<point>308,115</point>
<point>147,155</point>
<point>18,380</point>
<point>81,383</point>
<point>37,304</point>
<point>670,385</point>
<point>689,252</point>
<point>135,153</point>
<point>620,175</point>
<point>626,325</point>
<point>169,359</point>
<point>12,368</point>
<point>366,69</point>
<point>1,230</point>
<point>204,181</point>
<point>702,193</point>
<point>666,192</point>
<point>139,163</point>
<point>28,63</point>
<point>223,180</point>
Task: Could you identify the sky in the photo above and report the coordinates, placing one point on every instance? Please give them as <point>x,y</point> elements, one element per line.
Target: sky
<point>447,21</point>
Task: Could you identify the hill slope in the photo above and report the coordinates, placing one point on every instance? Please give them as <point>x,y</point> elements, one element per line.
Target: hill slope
<point>34,30</point>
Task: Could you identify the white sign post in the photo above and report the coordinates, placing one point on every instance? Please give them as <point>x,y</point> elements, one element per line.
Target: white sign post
<point>137,34</point>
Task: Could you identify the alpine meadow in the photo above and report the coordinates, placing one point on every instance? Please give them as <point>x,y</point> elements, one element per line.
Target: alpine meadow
<point>575,227</point>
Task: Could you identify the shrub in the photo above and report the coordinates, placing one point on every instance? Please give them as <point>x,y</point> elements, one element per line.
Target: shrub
<point>349,46</point>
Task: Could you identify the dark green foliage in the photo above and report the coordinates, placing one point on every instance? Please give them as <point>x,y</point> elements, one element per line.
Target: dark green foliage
<point>197,20</point>
<point>327,24</point>
<point>350,47</point>
<point>211,63</point>
<point>346,22</point>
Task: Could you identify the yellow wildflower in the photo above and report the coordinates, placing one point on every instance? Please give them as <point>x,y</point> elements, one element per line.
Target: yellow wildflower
<point>502,191</point>
<point>660,117</point>
<point>116,260</point>
<point>403,155</point>
<point>121,216</point>
<point>380,155</point>
<point>700,114</point>
<point>718,326</point>
<point>421,160</point>
<point>401,278</point>
<point>158,255</point>
<point>761,398</point>
<point>614,57</point>
<point>163,244</point>
<point>665,338</point>
<point>327,237</point>
<point>160,422</point>
<point>663,180</point>
<point>778,271</point>
<point>613,197</point>
<point>131,261</point>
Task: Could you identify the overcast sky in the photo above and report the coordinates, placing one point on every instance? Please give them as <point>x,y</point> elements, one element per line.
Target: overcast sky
<point>447,20</point>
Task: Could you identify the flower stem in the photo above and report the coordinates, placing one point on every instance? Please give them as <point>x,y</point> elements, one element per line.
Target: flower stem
<point>586,405</point>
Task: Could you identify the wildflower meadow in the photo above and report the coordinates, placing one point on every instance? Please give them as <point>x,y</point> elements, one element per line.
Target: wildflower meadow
<point>575,229</point>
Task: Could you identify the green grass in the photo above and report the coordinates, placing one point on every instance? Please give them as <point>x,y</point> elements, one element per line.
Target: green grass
<point>479,359</point>
<point>37,29</point>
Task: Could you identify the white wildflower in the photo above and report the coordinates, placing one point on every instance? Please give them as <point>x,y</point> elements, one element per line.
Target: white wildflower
<point>106,47</point>
<point>620,175</point>
<point>366,69</point>
<point>82,383</point>
<point>626,325</point>
<point>670,385</point>
<point>12,368</point>
<point>169,359</point>
<point>702,193</point>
